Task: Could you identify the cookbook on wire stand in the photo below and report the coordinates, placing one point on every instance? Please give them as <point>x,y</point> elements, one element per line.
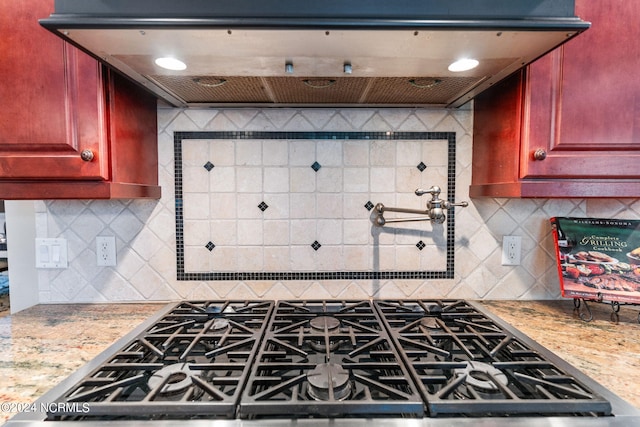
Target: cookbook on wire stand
<point>598,258</point>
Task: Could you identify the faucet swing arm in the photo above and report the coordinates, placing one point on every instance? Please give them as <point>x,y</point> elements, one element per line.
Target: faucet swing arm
<point>435,211</point>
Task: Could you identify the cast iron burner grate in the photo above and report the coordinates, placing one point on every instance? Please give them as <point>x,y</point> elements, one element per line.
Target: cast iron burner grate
<point>192,363</point>
<point>311,360</point>
<point>324,359</point>
<point>466,364</point>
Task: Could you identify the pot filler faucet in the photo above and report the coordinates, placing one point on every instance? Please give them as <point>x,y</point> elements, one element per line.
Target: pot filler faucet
<point>435,211</point>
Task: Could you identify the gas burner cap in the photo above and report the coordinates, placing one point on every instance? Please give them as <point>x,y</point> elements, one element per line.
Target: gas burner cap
<point>329,373</point>
<point>328,326</point>
<point>175,377</point>
<point>430,323</point>
<point>219,324</point>
<point>322,323</point>
<point>433,308</point>
<point>479,375</point>
<point>213,309</point>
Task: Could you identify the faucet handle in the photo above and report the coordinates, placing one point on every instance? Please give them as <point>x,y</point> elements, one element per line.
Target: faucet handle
<point>461,204</point>
<point>434,191</point>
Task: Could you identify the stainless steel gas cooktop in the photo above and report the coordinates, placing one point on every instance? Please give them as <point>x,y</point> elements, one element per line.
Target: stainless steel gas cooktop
<point>328,362</point>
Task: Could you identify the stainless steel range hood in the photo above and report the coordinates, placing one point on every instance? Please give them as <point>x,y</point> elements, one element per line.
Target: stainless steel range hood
<point>316,53</point>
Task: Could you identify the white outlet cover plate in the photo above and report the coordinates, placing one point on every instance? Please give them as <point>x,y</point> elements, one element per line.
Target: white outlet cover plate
<point>106,251</point>
<point>511,250</point>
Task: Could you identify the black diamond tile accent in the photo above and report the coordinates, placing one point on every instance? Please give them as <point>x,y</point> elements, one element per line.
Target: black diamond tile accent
<point>420,245</point>
<point>210,246</point>
<point>208,166</point>
<point>421,166</point>
<point>316,166</point>
<point>263,206</point>
<point>369,205</point>
<point>315,245</point>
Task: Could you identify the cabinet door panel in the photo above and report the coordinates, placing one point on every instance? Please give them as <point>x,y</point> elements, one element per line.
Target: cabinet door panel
<point>51,101</point>
<point>584,107</point>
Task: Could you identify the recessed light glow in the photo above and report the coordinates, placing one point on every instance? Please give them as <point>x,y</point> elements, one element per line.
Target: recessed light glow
<point>171,64</point>
<point>464,64</point>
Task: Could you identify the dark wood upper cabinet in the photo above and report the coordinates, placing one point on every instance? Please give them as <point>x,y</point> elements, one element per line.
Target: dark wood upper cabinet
<point>569,124</point>
<point>56,102</point>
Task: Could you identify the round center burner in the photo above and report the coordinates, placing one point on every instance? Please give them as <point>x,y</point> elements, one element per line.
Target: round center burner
<point>326,376</point>
<point>219,324</point>
<point>175,377</point>
<point>322,323</point>
<point>328,326</point>
<point>429,323</point>
<point>482,376</point>
<point>214,309</point>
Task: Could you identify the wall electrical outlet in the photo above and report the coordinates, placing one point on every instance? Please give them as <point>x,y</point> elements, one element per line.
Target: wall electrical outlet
<point>511,250</point>
<point>106,251</point>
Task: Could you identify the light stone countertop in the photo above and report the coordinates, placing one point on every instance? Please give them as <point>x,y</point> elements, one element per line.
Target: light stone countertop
<point>606,351</point>
<point>42,345</point>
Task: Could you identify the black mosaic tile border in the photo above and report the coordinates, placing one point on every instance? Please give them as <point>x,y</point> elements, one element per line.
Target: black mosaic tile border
<point>181,137</point>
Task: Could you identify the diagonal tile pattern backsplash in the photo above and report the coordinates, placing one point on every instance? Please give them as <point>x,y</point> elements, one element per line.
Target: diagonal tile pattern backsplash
<point>145,231</point>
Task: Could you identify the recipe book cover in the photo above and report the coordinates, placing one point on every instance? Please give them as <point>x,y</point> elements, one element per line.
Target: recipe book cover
<point>598,258</point>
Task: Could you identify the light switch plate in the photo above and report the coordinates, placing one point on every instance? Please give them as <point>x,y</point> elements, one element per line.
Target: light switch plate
<point>51,253</point>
